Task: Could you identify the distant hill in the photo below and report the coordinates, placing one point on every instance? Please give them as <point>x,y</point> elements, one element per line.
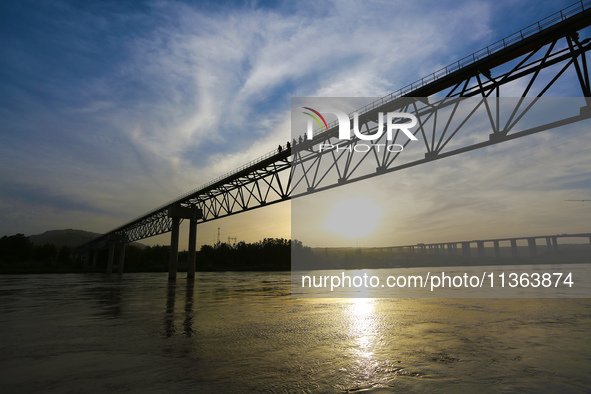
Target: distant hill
<point>69,237</point>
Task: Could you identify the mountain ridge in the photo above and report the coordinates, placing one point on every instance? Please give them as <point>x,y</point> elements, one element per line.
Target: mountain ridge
<point>68,237</point>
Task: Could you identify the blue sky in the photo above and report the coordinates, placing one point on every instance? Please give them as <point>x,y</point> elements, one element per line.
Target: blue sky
<point>109,109</point>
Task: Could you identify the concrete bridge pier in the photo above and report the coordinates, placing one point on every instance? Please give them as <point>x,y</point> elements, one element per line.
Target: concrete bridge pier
<point>196,214</point>
<point>531,243</point>
<point>121,257</point>
<point>549,244</point>
<point>178,212</point>
<point>480,245</point>
<point>114,240</point>
<point>514,251</point>
<point>466,249</point>
<point>192,249</point>
<point>85,256</point>
<point>174,247</point>
<point>497,249</point>
<point>110,257</point>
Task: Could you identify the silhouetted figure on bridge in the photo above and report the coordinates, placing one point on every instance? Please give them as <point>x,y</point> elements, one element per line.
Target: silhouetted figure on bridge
<point>288,145</point>
<point>294,142</point>
<point>279,149</point>
<point>300,139</point>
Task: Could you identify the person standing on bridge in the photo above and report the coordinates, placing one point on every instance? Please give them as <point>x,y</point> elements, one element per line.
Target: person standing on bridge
<point>279,149</point>
<point>288,145</point>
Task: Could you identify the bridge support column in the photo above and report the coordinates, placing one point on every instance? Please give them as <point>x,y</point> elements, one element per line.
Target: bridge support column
<point>121,257</point>
<point>178,212</point>
<point>480,245</point>
<point>549,244</point>
<point>497,249</point>
<point>514,251</point>
<point>531,243</point>
<point>174,248</point>
<point>192,249</point>
<point>85,256</point>
<point>555,243</point>
<point>110,258</point>
<point>466,249</point>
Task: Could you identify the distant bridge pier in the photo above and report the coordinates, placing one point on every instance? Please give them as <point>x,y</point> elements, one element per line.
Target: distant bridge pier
<point>110,257</point>
<point>514,251</point>
<point>178,212</point>
<point>85,258</point>
<point>114,240</point>
<point>480,245</point>
<point>121,257</point>
<point>531,243</point>
<point>549,244</point>
<point>466,249</point>
<point>497,249</point>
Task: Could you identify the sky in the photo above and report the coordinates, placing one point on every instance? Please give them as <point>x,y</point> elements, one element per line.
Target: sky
<point>108,109</point>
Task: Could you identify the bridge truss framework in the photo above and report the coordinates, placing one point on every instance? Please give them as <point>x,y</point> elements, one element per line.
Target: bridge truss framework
<point>534,58</point>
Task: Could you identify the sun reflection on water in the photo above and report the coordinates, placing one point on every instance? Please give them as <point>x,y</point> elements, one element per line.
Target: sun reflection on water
<point>363,332</point>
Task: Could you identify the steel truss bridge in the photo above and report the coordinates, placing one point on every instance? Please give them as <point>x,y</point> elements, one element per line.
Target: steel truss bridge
<point>533,59</point>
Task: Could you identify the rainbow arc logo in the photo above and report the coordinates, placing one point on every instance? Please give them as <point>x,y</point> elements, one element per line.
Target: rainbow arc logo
<point>315,118</point>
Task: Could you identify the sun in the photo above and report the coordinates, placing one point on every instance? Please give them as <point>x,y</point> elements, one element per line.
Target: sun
<point>353,218</point>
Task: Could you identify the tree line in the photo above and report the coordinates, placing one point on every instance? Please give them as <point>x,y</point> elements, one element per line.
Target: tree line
<point>19,255</point>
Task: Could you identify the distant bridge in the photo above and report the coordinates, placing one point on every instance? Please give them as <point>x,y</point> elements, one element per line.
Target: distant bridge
<point>551,45</point>
<point>452,247</point>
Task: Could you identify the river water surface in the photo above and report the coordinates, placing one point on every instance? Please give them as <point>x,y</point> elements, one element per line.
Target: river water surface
<point>243,332</point>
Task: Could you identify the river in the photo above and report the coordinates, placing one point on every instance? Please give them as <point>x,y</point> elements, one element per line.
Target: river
<point>244,332</point>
